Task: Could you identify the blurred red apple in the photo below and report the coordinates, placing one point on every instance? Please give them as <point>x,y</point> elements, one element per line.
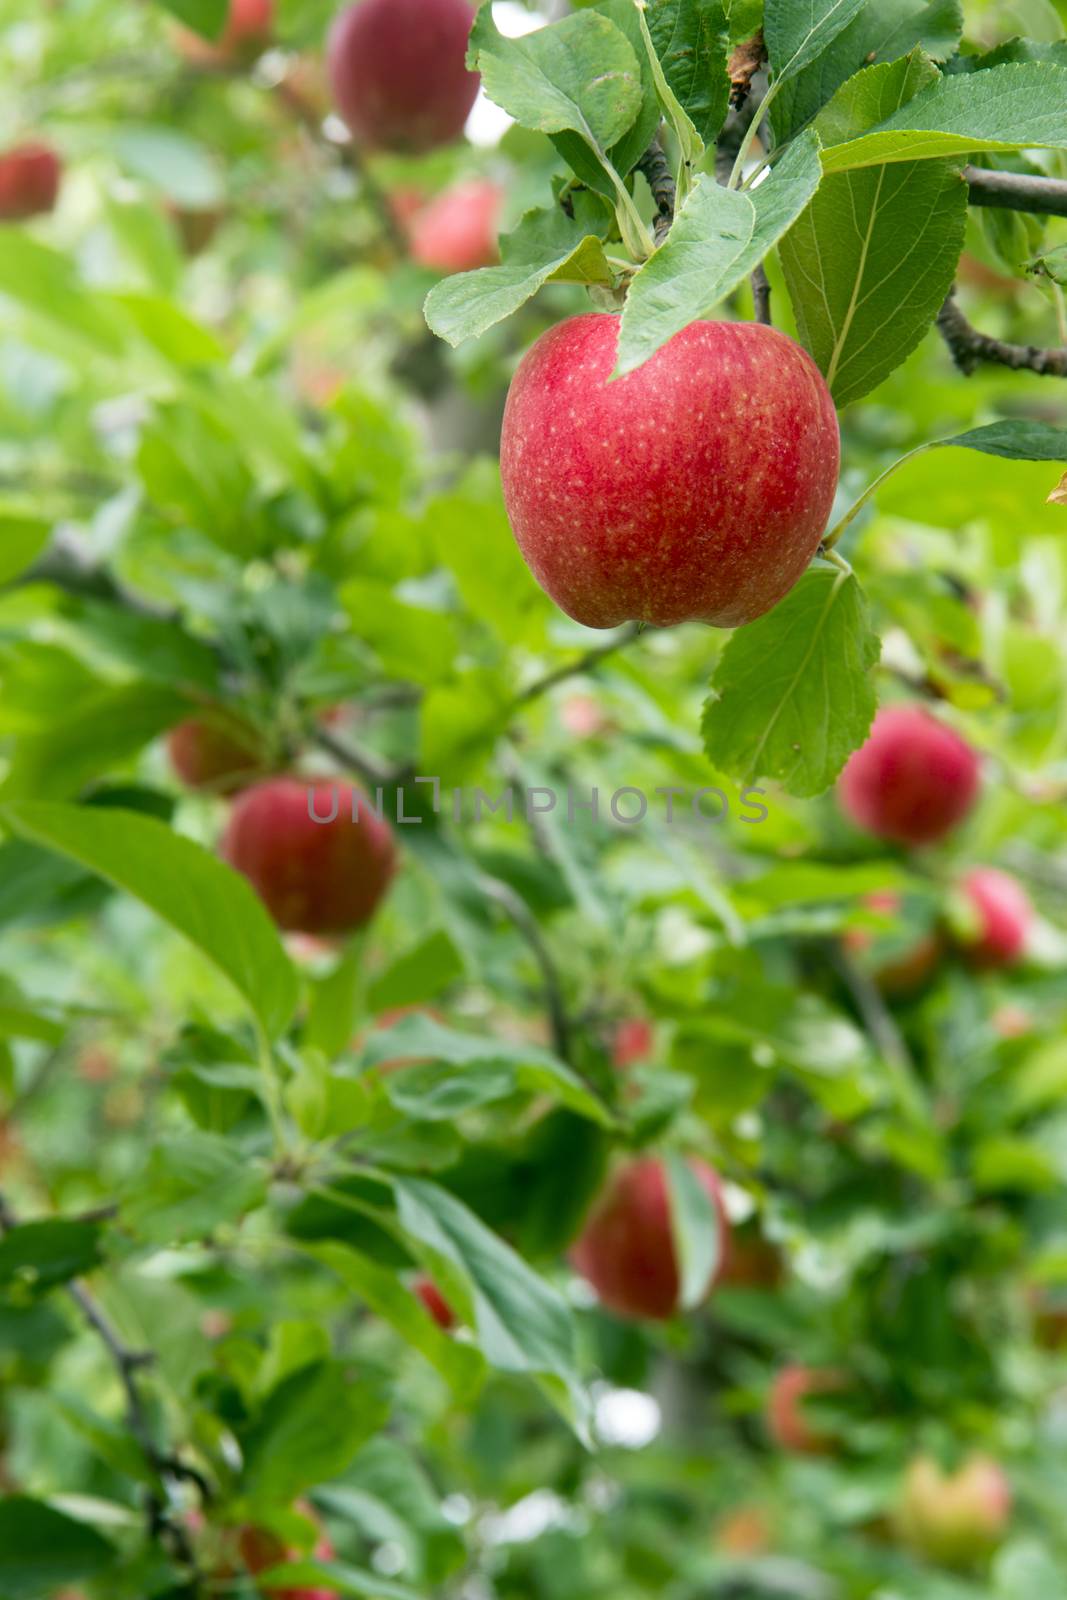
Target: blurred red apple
<point>913,781</point>
<point>215,753</point>
<point>435,1303</point>
<point>30,176</point>
<point>788,1426</point>
<point>634,1040</point>
<point>696,489</point>
<point>260,1550</point>
<point>314,876</point>
<point>627,1251</point>
<point>399,72</point>
<point>457,231</point>
<point>1003,918</point>
<point>248,31</point>
<point>583,716</point>
<point>956,1519</point>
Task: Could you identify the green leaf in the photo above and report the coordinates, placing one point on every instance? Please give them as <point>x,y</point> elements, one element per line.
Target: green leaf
<point>22,538</point>
<point>797,31</point>
<point>792,696</point>
<point>309,1429</point>
<point>179,166</point>
<point>383,1290</point>
<point>546,247</point>
<point>1012,107</point>
<point>1018,440</point>
<point>199,897</point>
<point>581,74</point>
<point>691,39</point>
<point>47,285</point>
<point>42,1550</point>
<point>191,1183</point>
<point>90,739</point>
<point>870,262</point>
<point>883,31</point>
<point>496,1068</point>
<point>717,239</point>
<point>37,1256</point>
<point>417,975</point>
<point>295,1576</point>
<point>695,1231</point>
<point>631,147</point>
<point>522,1323</point>
<point>206,17</point>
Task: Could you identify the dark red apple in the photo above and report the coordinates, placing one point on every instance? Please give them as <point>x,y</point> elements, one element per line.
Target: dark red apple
<point>399,72</point>
<point>218,754</point>
<point>320,877</point>
<point>30,176</point>
<point>260,1550</point>
<point>786,1421</point>
<point>955,1518</point>
<point>1003,918</point>
<point>457,231</point>
<point>913,781</point>
<point>634,1040</point>
<point>627,1251</point>
<point>248,31</point>
<point>435,1303</point>
<point>696,489</point>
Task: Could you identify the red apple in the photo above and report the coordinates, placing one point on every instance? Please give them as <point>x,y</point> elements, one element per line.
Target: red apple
<point>215,753</point>
<point>320,877</point>
<point>248,31</point>
<point>457,231</point>
<point>584,717</point>
<point>633,1041</point>
<point>30,175</point>
<point>696,489</point>
<point>958,1518</point>
<point>913,781</point>
<point>1003,918</point>
<point>399,72</point>
<point>260,1550</point>
<point>627,1250</point>
<point>435,1303</point>
<point>788,1426</point>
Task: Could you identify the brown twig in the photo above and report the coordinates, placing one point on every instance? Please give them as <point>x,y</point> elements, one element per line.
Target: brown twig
<point>1017,191</point>
<point>761,295</point>
<point>657,171</point>
<point>970,347</point>
<point>745,62</point>
<point>519,913</point>
<point>364,763</point>
<point>581,664</point>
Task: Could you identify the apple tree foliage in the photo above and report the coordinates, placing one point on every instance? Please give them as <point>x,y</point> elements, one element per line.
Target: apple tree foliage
<point>237,470</point>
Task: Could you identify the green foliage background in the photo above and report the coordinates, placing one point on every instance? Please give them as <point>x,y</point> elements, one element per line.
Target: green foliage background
<point>252,476</point>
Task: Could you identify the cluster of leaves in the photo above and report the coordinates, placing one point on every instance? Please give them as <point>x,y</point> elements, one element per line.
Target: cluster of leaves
<point>223,481</point>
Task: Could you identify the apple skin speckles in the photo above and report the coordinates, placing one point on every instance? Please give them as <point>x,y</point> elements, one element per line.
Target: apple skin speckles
<point>697,488</point>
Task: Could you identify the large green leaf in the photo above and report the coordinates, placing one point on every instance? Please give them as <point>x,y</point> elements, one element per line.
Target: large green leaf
<point>1012,107</point>
<point>799,30</point>
<point>309,1429</point>
<point>190,1184</point>
<point>41,1550</point>
<point>870,262</point>
<point>628,150</point>
<point>691,39</point>
<point>197,895</point>
<point>718,238</point>
<point>207,17</point>
<point>792,696</point>
<point>39,1255</point>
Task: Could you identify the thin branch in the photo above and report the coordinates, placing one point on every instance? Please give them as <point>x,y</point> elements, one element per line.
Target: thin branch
<point>1017,191</point>
<point>581,664</point>
<point>364,763</point>
<point>743,66</point>
<point>514,907</point>
<point>761,295</point>
<point>657,171</point>
<point>970,347</point>
<point>880,1026</point>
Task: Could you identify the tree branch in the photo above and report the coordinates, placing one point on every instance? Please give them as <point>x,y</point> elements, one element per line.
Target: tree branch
<point>581,664</point>
<point>657,171</point>
<point>970,347</point>
<point>761,295</point>
<point>375,772</point>
<point>514,907</point>
<point>1017,191</point>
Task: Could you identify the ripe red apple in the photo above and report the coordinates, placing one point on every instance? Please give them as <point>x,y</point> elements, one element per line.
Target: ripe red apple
<point>215,753</point>
<point>457,231</point>
<point>696,489</point>
<point>955,1518</point>
<point>435,1303</point>
<point>913,781</point>
<point>321,877</point>
<point>1003,917</point>
<point>30,175</point>
<point>634,1040</point>
<point>260,1550</point>
<point>627,1250</point>
<point>788,1426</point>
<point>248,31</point>
<point>399,72</point>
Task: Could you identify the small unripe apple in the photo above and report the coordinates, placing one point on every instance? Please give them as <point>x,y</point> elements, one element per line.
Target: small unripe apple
<point>583,717</point>
<point>435,1303</point>
<point>913,781</point>
<point>786,1421</point>
<point>457,231</point>
<point>399,72</point>
<point>321,877</point>
<point>30,176</point>
<point>634,1040</point>
<point>248,31</point>
<point>217,754</point>
<point>260,1550</point>
<point>955,1518</point>
<point>627,1250</point>
<point>696,489</point>
<point>1003,918</point>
